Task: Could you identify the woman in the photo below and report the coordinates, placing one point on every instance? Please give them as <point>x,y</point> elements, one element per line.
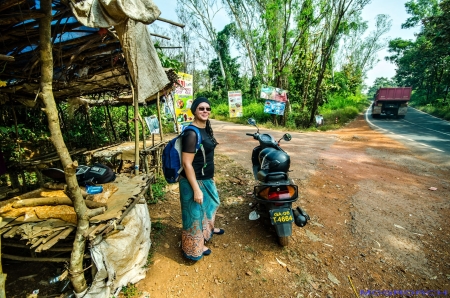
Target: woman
<point>198,192</point>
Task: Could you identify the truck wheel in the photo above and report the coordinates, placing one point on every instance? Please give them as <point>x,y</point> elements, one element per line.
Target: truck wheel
<point>284,241</point>
<point>375,116</point>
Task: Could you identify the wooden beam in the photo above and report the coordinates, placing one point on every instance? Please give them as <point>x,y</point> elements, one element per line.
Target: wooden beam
<point>10,3</point>
<point>170,22</point>
<point>20,17</point>
<point>161,36</point>
<point>6,58</point>
<point>30,259</point>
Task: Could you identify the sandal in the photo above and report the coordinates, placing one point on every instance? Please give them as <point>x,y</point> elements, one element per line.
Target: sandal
<point>221,231</point>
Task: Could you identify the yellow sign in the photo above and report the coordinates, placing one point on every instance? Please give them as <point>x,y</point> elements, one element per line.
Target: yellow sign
<point>235,103</point>
<point>184,98</point>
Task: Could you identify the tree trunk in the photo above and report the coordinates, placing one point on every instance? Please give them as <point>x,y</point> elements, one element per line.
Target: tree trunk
<point>246,42</point>
<point>74,192</point>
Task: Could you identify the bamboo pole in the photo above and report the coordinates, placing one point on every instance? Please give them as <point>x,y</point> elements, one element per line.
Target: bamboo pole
<point>111,123</point>
<point>159,117</point>
<point>136,128</point>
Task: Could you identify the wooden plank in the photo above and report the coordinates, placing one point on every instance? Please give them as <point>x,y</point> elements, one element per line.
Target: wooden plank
<point>128,189</point>
<point>6,220</point>
<point>11,233</point>
<point>65,233</point>
<point>30,259</point>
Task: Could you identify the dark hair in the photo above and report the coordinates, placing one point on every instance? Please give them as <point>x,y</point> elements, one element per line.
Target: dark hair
<point>210,132</point>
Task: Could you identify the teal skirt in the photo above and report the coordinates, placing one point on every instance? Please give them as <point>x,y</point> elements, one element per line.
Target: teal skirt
<point>198,219</point>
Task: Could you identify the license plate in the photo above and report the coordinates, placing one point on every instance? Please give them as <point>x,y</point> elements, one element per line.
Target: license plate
<point>281,216</point>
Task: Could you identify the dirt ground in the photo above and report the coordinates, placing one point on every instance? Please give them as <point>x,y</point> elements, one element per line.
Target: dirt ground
<point>375,225</point>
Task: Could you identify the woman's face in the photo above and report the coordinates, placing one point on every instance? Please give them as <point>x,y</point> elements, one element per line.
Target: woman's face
<point>203,111</point>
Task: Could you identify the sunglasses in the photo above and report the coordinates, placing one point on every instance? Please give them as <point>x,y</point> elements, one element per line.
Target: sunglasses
<point>204,108</point>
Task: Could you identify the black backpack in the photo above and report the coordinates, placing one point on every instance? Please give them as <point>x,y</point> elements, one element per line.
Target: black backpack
<point>97,174</point>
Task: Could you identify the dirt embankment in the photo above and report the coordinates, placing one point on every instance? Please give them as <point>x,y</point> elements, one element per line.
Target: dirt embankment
<point>375,225</point>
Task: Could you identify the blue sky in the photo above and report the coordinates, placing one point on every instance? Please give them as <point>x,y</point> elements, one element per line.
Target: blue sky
<point>394,8</point>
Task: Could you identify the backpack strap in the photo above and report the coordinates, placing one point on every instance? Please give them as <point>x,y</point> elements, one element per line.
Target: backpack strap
<point>199,144</point>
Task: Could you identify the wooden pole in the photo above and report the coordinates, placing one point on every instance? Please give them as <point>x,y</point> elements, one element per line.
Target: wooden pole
<point>73,190</point>
<point>144,145</point>
<point>111,123</point>
<point>136,128</point>
<point>107,126</point>
<point>128,124</point>
<point>159,117</point>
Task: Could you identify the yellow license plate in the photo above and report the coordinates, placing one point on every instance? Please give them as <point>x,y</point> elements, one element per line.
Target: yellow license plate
<point>280,216</point>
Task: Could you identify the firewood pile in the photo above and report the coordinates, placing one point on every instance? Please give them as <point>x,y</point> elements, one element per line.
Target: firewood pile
<point>42,218</point>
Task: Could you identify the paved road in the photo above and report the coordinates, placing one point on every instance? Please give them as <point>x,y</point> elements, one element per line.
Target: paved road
<point>422,133</point>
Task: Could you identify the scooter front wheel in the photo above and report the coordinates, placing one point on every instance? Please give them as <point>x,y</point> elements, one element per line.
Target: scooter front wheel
<point>284,241</point>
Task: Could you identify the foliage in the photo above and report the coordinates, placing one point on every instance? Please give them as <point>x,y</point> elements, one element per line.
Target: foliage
<point>130,291</point>
<point>158,191</point>
<point>380,82</point>
<point>424,64</point>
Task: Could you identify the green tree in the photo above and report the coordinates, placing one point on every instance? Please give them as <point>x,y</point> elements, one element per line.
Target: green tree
<point>380,83</point>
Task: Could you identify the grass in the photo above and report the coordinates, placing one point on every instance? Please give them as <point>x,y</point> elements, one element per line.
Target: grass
<point>158,190</point>
<point>130,291</point>
<point>337,112</point>
<point>158,230</point>
<point>438,110</point>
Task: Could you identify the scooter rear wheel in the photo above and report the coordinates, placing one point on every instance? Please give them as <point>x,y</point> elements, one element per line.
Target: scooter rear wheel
<point>284,241</point>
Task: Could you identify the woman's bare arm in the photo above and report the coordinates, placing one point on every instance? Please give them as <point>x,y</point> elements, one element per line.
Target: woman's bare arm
<point>187,159</point>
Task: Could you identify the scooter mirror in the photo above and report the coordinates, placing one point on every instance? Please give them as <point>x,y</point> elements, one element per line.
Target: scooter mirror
<point>251,121</point>
<point>287,137</point>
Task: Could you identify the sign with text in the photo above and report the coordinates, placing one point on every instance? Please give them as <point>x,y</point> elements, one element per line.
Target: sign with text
<point>273,93</point>
<point>184,98</point>
<point>274,107</point>
<point>235,103</point>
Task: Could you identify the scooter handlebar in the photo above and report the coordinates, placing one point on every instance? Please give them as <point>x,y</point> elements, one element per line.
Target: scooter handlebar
<point>249,134</point>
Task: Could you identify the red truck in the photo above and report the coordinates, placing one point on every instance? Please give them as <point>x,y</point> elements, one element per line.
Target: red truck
<point>392,101</point>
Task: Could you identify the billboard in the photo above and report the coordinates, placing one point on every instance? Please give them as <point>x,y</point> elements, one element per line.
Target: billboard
<point>275,100</point>
<point>235,103</point>
<point>183,98</point>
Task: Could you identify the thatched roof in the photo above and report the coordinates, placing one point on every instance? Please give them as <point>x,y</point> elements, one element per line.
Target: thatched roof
<point>88,62</point>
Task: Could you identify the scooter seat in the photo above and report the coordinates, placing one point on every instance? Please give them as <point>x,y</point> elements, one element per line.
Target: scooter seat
<point>265,176</point>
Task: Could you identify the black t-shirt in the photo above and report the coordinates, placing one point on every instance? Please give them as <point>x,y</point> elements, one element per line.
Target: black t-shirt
<point>188,144</point>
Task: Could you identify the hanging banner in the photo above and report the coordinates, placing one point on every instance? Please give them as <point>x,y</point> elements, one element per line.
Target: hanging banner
<point>273,93</point>
<point>235,103</point>
<point>183,99</point>
<point>274,107</point>
<point>276,99</point>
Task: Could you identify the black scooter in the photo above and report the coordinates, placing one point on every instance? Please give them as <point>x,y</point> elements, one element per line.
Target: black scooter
<point>276,192</point>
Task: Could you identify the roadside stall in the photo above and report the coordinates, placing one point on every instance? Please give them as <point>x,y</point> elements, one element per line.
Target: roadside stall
<point>101,56</point>
<point>44,221</point>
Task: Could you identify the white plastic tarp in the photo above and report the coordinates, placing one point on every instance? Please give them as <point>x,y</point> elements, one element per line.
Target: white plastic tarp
<point>120,258</point>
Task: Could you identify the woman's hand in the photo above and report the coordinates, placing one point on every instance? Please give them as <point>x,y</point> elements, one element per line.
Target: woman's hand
<point>198,197</point>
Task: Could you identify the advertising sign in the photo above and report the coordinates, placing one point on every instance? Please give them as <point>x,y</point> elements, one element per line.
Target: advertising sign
<point>275,100</point>
<point>273,93</point>
<point>183,99</point>
<point>274,107</point>
<point>235,103</point>
<point>152,124</point>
